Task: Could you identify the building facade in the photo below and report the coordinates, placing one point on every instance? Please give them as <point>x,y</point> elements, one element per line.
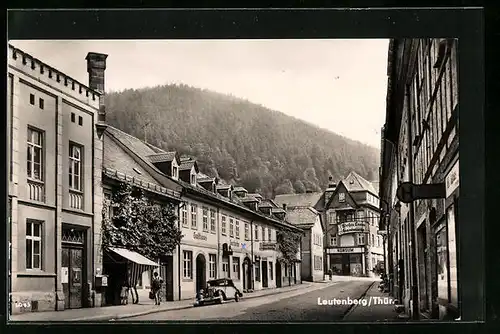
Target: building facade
<point>55,197</point>
<point>420,145</point>
<point>308,219</point>
<point>227,232</point>
<point>349,213</point>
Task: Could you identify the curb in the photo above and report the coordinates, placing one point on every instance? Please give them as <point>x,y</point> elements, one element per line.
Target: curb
<point>351,308</point>
<point>152,311</point>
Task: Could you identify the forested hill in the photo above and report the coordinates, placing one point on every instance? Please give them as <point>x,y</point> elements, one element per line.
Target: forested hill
<point>241,142</point>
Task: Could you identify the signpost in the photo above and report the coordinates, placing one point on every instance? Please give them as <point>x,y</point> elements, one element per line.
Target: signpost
<point>408,192</point>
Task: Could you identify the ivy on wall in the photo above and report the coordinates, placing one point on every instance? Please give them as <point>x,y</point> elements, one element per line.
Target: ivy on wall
<point>139,224</point>
<point>288,244</point>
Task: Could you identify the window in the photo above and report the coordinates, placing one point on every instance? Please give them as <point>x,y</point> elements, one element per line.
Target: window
<point>223,228</point>
<point>212,265</point>
<point>231,227</point>
<point>205,219</point>
<point>75,167</point>
<point>256,233</point>
<point>263,231</point>
<point>318,262</point>
<point>184,215</point>
<point>212,221</point>
<point>269,234</point>
<point>80,120</point>
<point>188,264</point>
<point>175,172</point>
<point>237,229</point>
<point>236,268</point>
<point>361,239</point>
<point>225,267</point>
<point>378,240</point>
<point>257,271</point>
<point>72,117</point>
<point>247,231</point>
<point>373,241</point>
<point>193,179</point>
<point>271,270</point>
<point>341,197</point>
<point>40,103</point>
<point>35,155</point>
<point>333,241</point>
<point>194,216</point>
<point>33,244</point>
<point>32,99</point>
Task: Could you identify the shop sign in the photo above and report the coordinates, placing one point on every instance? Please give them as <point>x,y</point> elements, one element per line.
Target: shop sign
<point>64,275</point>
<point>199,236</point>
<point>352,227</point>
<point>234,244</point>
<point>452,179</point>
<point>344,250</point>
<point>267,246</point>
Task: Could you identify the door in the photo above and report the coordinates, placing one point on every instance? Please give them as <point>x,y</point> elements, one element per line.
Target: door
<point>264,274</point>
<point>72,280</point>
<point>200,272</point>
<point>247,274</point>
<point>169,278</point>
<point>279,278</point>
<point>346,267</point>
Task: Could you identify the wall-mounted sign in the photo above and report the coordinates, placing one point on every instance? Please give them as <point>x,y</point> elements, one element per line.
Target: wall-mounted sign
<point>345,250</point>
<point>234,244</point>
<point>352,227</point>
<point>199,236</point>
<point>267,246</point>
<point>452,179</point>
<point>64,275</point>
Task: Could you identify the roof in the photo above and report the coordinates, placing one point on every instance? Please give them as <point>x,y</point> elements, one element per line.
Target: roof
<point>355,182</point>
<point>256,195</point>
<point>248,199</point>
<point>303,200</point>
<point>162,157</point>
<point>265,204</point>
<point>188,164</point>
<point>240,189</point>
<point>141,151</point>
<point>302,216</point>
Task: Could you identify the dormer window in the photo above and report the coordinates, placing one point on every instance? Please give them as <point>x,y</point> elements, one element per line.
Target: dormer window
<point>175,172</point>
<point>193,178</point>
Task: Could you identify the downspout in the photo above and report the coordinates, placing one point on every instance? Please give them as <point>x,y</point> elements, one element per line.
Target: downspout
<point>181,204</point>
<point>218,244</point>
<point>415,296</point>
<point>252,277</point>
<point>311,255</point>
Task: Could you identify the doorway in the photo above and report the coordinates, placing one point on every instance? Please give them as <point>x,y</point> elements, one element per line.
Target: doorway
<point>201,274</point>
<point>264,274</point>
<point>422,266</point>
<point>346,265</point>
<point>247,274</point>
<point>73,267</point>
<point>278,275</point>
<point>167,269</point>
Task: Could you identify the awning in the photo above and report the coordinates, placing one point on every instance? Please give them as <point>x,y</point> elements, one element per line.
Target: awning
<point>133,256</point>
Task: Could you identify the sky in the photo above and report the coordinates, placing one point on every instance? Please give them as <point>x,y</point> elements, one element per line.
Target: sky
<point>336,84</point>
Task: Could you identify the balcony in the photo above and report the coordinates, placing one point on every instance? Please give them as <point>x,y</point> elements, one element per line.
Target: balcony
<point>75,200</point>
<point>36,190</point>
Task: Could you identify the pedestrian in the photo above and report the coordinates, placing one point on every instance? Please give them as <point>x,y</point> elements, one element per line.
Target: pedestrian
<point>156,287</point>
<point>330,273</point>
<point>132,285</point>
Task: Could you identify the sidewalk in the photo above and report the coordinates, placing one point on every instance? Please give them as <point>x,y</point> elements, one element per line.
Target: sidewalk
<point>375,310</point>
<point>144,307</point>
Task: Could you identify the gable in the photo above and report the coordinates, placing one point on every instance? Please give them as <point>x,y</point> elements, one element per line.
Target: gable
<point>341,198</point>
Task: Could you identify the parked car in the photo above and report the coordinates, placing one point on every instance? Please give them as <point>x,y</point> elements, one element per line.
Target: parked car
<point>207,296</point>
<point>226,288</point>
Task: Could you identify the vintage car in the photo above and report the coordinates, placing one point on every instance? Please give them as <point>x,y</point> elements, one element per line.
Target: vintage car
<point>217,291</point>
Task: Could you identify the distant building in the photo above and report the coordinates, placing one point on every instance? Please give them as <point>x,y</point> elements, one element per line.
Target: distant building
<point>349,214</point>
<point>308,219</point>
<point>55,194</point>
<point>420,144</point>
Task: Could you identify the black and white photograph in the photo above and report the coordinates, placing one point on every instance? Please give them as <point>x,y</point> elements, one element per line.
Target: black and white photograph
<point>233,180</point>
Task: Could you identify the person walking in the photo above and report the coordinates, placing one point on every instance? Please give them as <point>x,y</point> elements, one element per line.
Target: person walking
<point>156,287</point>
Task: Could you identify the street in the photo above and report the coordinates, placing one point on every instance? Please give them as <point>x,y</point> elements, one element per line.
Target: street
<point>299,305</point>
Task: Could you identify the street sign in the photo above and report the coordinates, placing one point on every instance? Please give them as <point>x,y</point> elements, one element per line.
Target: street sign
<point>408,192</point>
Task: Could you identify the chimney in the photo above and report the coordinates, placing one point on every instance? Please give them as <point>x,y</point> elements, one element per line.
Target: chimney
<point>331,188</point>
<point>96,65</point>
<point>331,184</point>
